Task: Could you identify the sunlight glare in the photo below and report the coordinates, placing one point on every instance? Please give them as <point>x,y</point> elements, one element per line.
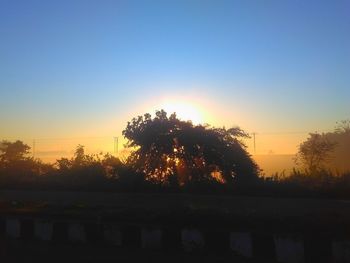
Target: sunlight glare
<point>184,110</point>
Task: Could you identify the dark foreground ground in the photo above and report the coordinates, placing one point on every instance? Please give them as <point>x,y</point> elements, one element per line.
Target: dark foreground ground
<point>264,216</point>
<point>26,252</point>
<point>285,213</point>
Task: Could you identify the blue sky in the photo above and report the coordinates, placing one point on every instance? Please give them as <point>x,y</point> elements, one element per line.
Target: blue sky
<point>81,68</point>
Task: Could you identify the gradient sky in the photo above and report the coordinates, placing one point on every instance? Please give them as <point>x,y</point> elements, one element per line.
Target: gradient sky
<point>72,69</point>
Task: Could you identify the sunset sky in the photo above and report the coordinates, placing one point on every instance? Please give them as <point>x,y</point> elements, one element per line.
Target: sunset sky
<point>76,71</point>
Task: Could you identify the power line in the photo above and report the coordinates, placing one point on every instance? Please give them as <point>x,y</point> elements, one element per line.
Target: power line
<point>292,132</point>
<point>73,138</point>
<point>254,142</point>
<point>106,137</point>
<point>116,146</point>
<point>34,148</point>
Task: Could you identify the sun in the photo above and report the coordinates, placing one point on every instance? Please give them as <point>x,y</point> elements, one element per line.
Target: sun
<point>186,111</point>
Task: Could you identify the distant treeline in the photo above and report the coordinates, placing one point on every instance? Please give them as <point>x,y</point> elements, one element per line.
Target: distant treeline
<point>170,155</point>
<point>107,173</point>
<point>92,173</point>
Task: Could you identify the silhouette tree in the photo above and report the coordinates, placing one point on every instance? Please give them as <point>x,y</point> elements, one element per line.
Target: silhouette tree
<point>315,151</point>
<point>79,160</point>
<point>15,164</point>
<point>167,147</point>
<point>13,151</point>
<point>343,127</point>
<point>82,171</point>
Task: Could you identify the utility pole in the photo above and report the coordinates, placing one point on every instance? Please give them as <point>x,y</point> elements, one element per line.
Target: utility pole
<point>116,146</point>
<point>34,148</point>
<point>254,142</point>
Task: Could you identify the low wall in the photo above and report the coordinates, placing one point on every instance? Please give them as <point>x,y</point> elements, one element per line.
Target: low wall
<point>255,244</point>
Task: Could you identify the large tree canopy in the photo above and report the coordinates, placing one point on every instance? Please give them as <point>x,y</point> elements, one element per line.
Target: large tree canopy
<point>167,147</point>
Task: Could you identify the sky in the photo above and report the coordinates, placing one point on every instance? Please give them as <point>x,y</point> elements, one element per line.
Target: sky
<point>76,71</point>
